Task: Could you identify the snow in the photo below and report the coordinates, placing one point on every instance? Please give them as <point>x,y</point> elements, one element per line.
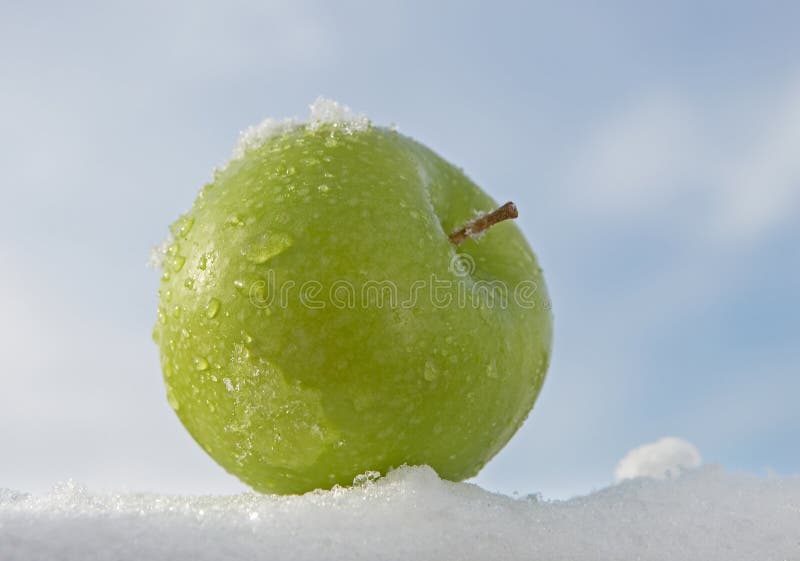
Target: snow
<point>158,253</point>
<point>327,111</point>
<point>322,112</point>
<point>662,459</point>
<point>706,514</point>
<point>255,135</point>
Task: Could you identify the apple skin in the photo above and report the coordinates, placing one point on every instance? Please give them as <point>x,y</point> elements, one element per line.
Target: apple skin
<point>291,396</point>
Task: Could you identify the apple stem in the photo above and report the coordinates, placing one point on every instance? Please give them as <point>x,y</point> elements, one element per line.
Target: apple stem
<point>477,226</point>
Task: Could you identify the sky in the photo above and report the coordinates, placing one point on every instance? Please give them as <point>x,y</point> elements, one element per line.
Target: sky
<point>652,149</point>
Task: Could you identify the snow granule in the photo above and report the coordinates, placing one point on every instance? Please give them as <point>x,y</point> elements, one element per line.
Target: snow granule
<point>704,514</point>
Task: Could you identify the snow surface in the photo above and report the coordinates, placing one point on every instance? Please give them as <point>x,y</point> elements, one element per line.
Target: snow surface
<point>705,514</point>
<point>666,457</point>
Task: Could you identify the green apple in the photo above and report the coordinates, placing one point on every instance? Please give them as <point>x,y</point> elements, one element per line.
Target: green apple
<point>332,304</point>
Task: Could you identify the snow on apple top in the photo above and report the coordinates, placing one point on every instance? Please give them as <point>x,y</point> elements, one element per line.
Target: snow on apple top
<point>323,112</point>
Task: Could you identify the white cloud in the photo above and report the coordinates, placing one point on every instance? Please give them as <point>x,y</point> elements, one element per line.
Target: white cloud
<point>662,459</point>
<point>672,158</point>
<point>633,163</point>
<point>762,189</point>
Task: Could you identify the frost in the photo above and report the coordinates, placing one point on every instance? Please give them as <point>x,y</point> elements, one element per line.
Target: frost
<point>158,253</point>
<point>255,135</point>
<point>322,112</point>
<point>328,112</point>
<point>705,514</point>
<point>662,459</point>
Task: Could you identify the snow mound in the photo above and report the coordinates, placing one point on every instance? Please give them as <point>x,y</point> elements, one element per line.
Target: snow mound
<point>662,459</point>
<point>705,514</point>
<point>322,112</point>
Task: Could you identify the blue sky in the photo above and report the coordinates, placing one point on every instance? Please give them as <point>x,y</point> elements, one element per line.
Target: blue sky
<point>652,149</point>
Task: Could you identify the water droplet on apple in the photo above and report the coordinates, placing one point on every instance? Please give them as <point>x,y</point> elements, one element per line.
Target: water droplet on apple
<point>430,374</point>
<point>243,353</point>
<point>183,226</point>
<point>201,363</point>
<point>266,246</point>
<point>177,263</point>
<point>212,308</point>
<point>189,283</point>
<point>171,399</point>
<point>234,220</point>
